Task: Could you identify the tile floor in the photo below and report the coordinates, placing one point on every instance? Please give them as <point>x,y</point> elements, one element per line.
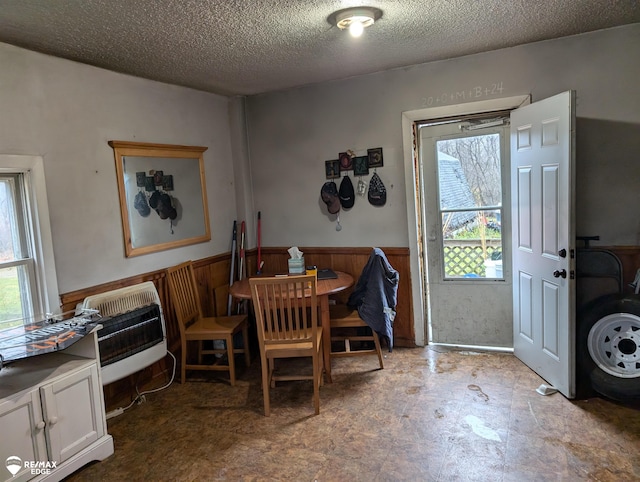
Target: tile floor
<point>432,414</point>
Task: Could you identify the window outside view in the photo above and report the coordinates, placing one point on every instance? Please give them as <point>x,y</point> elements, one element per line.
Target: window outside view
<point>470,190</point>
<point>15,299</point>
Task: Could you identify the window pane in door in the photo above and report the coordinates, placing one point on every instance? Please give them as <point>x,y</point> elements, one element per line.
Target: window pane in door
<point>470,199</point>
<point>469,171</point>
<point>474,250</point>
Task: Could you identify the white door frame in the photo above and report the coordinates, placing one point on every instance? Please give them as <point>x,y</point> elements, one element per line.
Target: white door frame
<point>449,320</point>
<point>416,247</point>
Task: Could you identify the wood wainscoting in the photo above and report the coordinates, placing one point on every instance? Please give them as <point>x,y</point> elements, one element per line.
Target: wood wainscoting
<point>352,261</point>
<point>213,272</point>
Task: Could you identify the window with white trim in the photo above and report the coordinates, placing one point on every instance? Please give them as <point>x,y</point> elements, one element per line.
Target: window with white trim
<point>28,286</point>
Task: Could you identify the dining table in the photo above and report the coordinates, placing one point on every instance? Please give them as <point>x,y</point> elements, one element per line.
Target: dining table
<point>240,289</point>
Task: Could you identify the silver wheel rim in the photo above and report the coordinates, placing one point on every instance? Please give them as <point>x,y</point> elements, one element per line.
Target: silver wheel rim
<point>614,345</point>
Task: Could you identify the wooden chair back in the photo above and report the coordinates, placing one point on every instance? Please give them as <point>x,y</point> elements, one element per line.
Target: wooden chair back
<point>184,293</point>
<point>286,308</point>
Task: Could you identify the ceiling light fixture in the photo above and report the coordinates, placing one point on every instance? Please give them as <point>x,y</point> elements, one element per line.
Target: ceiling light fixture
<point>355,19</point>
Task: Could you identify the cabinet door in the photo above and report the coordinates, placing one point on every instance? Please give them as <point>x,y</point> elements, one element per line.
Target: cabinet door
<point>21,433</point>
<point>72,413</point>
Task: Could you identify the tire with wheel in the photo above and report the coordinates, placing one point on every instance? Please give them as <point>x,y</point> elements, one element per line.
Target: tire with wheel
<point>608,346</point>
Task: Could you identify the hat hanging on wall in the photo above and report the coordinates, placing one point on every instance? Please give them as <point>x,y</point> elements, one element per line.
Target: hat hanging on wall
<point>154,199</point>
<point>329,194</point>
<point>377,192</point>
<point>347,194</point>
<point>141,204</point>
<point>165,207</point>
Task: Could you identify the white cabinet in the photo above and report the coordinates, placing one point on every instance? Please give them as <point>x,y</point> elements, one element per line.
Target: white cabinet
<point>52,413</point>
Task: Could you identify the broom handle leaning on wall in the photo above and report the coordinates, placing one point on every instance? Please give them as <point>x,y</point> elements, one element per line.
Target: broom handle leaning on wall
<point>233,267</point>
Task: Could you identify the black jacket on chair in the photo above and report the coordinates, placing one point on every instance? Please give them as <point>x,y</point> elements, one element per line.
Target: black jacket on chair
<point>376,294</point>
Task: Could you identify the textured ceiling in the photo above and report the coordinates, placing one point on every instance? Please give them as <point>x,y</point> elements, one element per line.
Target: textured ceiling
<point>236,47</point>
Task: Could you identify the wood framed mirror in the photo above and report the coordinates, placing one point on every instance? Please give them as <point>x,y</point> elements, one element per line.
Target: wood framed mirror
<point>163,197</point>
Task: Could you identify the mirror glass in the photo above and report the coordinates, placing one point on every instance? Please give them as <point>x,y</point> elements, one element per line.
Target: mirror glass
<point>162,192</point>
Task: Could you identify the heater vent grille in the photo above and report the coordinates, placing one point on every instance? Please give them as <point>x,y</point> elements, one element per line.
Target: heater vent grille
<point>133,335</point>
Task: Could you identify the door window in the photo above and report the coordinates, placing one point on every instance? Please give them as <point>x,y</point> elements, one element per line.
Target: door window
<point>470,205</point>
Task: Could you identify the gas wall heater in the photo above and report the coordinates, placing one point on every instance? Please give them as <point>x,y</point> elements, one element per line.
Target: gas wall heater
<point>133,334</point>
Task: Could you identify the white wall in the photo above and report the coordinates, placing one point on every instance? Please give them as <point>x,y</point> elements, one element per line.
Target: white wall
<point>67,112</point>
<point>292,133</point>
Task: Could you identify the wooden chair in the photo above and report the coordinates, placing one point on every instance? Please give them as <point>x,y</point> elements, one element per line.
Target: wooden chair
<point>344,321</point>
<point>194,327</point>
<point>286,310</point>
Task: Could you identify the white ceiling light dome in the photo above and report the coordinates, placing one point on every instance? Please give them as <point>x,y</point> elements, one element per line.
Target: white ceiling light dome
<point>355,19</point>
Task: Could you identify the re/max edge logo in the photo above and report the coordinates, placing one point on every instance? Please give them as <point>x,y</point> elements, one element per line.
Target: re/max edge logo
<point>37,467</point>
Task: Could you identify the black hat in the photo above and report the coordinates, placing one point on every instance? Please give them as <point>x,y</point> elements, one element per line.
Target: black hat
<point>347,194</point>
<point>377,192</point>
<point>141,205</point>
<point>329,194</point>
<point>165,208</point>
<point>154,199</point>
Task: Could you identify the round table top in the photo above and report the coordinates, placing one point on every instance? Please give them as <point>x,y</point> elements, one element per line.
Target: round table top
<point>240,289</point>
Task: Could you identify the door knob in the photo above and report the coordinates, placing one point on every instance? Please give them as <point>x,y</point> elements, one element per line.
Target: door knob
<point>560,274</point>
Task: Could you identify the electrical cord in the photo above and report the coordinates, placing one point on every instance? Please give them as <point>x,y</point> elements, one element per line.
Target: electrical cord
<point>139,396</point>
<point>173,374</point>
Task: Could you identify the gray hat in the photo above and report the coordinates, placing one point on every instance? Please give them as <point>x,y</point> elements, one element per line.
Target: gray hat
<point>141,204</point>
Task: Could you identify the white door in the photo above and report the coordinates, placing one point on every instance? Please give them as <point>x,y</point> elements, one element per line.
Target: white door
<point>543,238</point>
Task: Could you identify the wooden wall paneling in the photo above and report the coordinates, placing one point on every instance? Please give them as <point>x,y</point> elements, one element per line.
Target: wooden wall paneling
<point>352,261</point>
